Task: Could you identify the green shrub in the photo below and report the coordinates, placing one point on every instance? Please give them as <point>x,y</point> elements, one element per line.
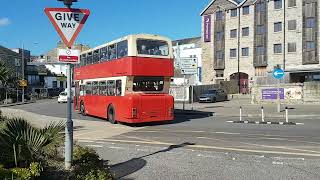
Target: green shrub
<point>21,173</point>
<point>87,165</point>
<point>5,173</point>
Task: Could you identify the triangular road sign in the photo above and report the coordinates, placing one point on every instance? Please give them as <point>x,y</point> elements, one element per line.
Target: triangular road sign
<point>67,22</point>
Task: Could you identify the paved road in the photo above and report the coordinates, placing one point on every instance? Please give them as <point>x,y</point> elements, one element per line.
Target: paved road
<point>202,147</point>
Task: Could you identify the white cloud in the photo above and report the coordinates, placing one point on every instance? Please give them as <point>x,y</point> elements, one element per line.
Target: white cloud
<point>4,21</point>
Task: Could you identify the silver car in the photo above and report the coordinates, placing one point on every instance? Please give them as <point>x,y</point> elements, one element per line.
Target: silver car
<point>213,95</point>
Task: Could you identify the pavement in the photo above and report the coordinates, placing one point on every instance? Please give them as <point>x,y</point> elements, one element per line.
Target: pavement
<point>196,145</point>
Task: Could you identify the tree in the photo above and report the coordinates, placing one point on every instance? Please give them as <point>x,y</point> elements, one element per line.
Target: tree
<point>7,79</point>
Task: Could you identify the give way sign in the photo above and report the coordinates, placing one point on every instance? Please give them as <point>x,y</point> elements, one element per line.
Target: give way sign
<point>67,22</point>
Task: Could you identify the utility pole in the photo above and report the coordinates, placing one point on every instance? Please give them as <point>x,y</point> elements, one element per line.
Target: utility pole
<point>239,26</point>
<point>22,60</point>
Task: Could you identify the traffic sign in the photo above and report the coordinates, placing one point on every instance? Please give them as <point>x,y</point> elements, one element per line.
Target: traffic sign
<point>67,22</point>
<point>23,83</point>
<point>189,71</point>
<point>188,63</point>
<point>69,56</point>
<point>278,73</point>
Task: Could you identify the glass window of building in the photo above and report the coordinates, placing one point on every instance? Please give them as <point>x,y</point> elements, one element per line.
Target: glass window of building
<point>260,29</point>
<point>233,53</point>
<point>277,48</point>
<point>292,47</point>
<point>310,45</point>
<point>310,22</point>
<point>234,12</point>
<point>277,26</point>
<point>260,6</point>
<point>233,33</point>
<point>277,4</point>
<point>260,50</point>
<point>122,49</point>
<point>292,25</point>
<point>245,31</point>
<point>246,10</point>
<point>152,47</point>
<point>219,54</point>
<point>245,51</point>
<point>219,15</point>
<point>219,36</point>
<point>292,3</point>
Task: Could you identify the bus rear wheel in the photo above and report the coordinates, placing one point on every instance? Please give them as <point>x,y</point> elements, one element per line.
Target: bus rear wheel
<point>112,115</point>
<point>83,109</point>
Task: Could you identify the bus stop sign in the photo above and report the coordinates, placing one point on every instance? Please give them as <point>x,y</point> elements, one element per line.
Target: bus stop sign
<point>278,73</point>
<point>67,22</point>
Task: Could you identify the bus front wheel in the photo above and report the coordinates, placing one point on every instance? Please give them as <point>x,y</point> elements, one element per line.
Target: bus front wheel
<point>112,115</point>
<point>82,109</point>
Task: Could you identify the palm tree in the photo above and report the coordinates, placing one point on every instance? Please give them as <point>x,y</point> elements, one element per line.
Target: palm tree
<point>21,143</point>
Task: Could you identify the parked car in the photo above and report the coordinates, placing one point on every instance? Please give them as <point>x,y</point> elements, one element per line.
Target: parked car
<point>63,97</point>
<point>213,95</point>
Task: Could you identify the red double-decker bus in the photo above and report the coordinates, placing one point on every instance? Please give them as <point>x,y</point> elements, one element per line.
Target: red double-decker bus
<point>126,80</point>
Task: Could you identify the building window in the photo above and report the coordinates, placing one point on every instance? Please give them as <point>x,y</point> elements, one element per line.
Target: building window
<point>246,10</point>
<point>260,29</point>
<point>277,4</point>
<point>54,84</point>
<point>292,3</point>
<point>219,15</point>
<point>245,31</point>
<point>233,53</point>
<point>277,48</point>
<point>245,51</point>
<point>310,45</point>
<point>260,6</point>
<point>292,25</point>
<point>277,26</point>
<point>219,36</point>
<point>260,50</point>
<point>292,47</point>
<point>310,22</point>
<point>234,12</point>
<point>219,55</point>
<point>233,33</point>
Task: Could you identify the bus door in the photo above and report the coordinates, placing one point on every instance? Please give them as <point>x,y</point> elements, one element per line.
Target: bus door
<point>76,102</point>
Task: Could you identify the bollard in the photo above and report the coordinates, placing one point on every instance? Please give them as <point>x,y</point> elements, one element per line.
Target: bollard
<point>240,113</point>
<point>262,114</point>
<point>287,118</point>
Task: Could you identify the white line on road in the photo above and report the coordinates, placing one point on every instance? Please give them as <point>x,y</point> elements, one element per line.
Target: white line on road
<point>277,163</point>
<point>115,147</point>
<point>93,145</point>
<point>85,141</point>
<point>226,133</point>
<point>287,158</point>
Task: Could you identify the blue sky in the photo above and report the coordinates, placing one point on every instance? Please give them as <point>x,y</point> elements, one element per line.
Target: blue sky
<point>24,21</point>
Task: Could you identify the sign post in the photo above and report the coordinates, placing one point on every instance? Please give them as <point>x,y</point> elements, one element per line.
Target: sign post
<point>68,23</point>
<point>278,73</point>
<point>188,66</point>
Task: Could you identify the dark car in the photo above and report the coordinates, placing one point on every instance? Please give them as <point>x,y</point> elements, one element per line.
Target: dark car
<point>213,95</point>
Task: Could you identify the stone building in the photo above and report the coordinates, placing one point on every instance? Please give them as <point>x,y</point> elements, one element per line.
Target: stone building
<point>12,60</point>
<point>245,40</point>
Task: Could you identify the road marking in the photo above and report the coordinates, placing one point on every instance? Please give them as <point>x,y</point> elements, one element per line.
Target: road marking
<point>115,147</point>
<point>218,148</point>
<point>226,133</point>
<point>287,158</point>
<point>85,141</point>
<point>277,163</point>
<point>299,123</point>
<point>93,145</point>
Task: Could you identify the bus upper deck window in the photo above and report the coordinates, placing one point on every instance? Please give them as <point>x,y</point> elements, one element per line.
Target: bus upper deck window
<point>152,47</point>
<point>122,49</point>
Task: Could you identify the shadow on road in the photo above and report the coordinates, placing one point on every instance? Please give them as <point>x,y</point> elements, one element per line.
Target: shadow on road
<point>135,164</point>
<point>180,117</point>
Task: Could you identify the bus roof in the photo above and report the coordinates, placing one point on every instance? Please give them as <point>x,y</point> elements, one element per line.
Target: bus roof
<point>134,36</point>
